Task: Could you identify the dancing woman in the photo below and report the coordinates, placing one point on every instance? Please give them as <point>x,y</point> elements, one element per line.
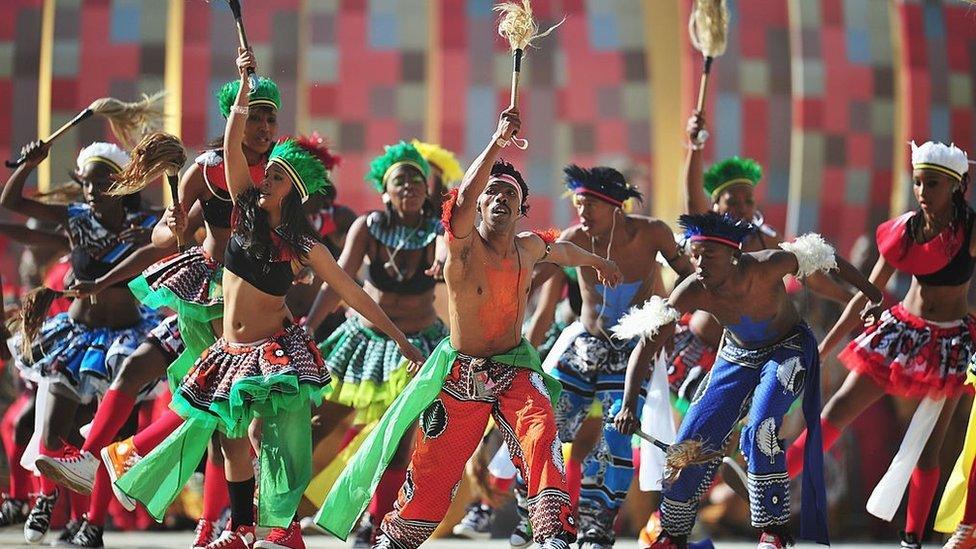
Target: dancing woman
<point>398,244</point>
<point>80,352</point>
<point>264,365</point>
<point>919,348</point>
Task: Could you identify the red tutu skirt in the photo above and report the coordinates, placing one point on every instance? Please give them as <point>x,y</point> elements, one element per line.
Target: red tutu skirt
<point>913,357</point>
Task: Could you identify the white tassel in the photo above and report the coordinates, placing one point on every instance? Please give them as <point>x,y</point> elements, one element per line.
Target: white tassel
<point>813,254</point>
<point>645,320</point>
<point>209,159</point>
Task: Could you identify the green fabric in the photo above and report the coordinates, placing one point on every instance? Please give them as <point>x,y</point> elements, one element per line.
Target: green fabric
<point>164,297</point>
<point>197,337</point>
<point>352,491</point>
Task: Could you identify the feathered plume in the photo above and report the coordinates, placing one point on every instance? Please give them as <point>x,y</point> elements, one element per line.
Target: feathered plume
<point>319,148</point>
<point>645,320</point>
<point>687,453</point>
<point>708,27</point>
<point>32,314</point>
<point>129,120</point>
<point>156,154</point>
<point>517,24</point>
<point>813,254</point>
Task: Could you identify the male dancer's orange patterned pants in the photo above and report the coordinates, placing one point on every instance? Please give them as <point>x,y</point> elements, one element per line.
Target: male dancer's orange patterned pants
<point>450,430</point>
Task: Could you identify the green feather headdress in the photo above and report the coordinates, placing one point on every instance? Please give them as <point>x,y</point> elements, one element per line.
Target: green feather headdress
<point>301,160</point>
<point>264,95</point>
<point>731,171</point>
<point>401,153</point>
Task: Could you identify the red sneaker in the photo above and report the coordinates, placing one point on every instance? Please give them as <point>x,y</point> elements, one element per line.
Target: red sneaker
<point>667,541</point>
<point>241,538</point>
<point>283,538</point>
<point>206,533</point>
<point>769,540</point>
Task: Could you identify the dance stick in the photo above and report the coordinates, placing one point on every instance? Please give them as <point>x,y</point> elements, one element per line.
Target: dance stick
<point>124,117</point>
<point>520,29</point>
<point>172,178</point>
<point>235,7</point>
<point>708,29</point>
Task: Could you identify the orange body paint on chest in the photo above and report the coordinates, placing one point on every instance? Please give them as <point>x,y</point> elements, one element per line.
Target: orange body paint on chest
<point>500,298</point>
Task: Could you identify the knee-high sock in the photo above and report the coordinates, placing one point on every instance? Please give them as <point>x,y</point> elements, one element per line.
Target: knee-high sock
<point>111,415</point>
<point>48,486</point>
<point>101,498</point>
<point>498,486</point>
<point>969,517</point>
<point>216,498</point>
<point>152,436</point>
<point>386,493</point>
<point>574,479</point>
<point>794,454</point>
<point>20,478</point>
<point>241,503</point>
<point>921,492</point>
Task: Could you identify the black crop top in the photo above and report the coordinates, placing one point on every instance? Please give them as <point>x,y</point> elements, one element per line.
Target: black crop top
<point>96,250</point>
<point>274,278</point>
<point>380,278</point>
<point>959,270</point>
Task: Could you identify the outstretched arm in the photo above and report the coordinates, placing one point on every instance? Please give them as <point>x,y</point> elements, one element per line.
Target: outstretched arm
<point>476,178</point>
<point>235,164</point>
<point>850,318</point>
<point>567,254</point>
<point>13,197</point>
<point>327,269</point>
<point>350,261</point>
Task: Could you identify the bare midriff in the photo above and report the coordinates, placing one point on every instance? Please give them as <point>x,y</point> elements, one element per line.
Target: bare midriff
<point>251,315</point>
<point>937,303</point>
<point>114,307</point>
<point>410,313</point>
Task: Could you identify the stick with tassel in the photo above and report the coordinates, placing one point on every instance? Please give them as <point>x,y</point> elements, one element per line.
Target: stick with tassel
<point>708,29</point>
<point>126,119</point>
<point>520,29</point>
<point>680,455</point>
<point>235,7</point>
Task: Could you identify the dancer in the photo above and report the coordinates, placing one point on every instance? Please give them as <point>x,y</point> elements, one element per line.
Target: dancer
<point>917,349</point>
<point>445,172</point>
<point>78,353</point>
<point>263,365</point>
<point>588,363</point>
<point>768,354</point>
<point>189,283</point>
<point>398,244</point>
<point>481,371</point>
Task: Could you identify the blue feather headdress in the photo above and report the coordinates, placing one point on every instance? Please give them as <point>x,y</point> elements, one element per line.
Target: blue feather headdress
<point>602,182</point>
<point>713,227</point>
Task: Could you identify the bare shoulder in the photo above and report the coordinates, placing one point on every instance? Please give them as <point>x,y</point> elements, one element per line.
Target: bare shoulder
<point>574,234</point>
<point>531,243</point>
<point>687,295</point>
<point>653,229</point>
<point>778,260</point>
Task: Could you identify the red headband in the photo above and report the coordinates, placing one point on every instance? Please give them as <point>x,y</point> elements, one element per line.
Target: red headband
<point>727,242</point>
<point>601,196</point>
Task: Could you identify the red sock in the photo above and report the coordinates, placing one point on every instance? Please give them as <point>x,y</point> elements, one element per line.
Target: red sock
<point>20,478</point>
<point>111,415</point>
<point>47,485</point>
<point>351,433</point>
<point>216,498</point>
<point>498,486</point>
<point>574,478</point>
<point>386,493</point>
<point>970,516</point>
<point>150,437</point>
<point>100,498</point>
<point>794,454</point>
<point>921,493</point>
<point>79,503</point>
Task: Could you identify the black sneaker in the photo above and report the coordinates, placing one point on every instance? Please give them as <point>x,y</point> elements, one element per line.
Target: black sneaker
<point>363,538</point>
<point>68,534</point>
<point>476,523</point>
<point>910,541</point>
<point>13,511</point>
<point>88,535</point>
<point>39,519</point>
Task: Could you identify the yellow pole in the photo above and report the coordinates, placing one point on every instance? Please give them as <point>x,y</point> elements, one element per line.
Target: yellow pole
<point>302,122</point>
<point>435,73</point>
<point>899,194</point>
<point>173,74</point>
<point>663,25</point>
<point>44,75</point>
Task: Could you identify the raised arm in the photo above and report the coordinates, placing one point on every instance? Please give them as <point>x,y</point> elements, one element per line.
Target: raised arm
<point>476,178</point>
<point>328,270</point>
<point>350,261</point>
<point>235,164</point>
<point>13,197</point>
<point>695,200</point>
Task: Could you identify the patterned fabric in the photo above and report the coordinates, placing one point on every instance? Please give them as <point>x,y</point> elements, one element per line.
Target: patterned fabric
<point>166,337</point>
<point>191,277</point>
<point>399,236</point>
<point>236,382</point>
<point>82,359</point>
<point>451,429</point>
<point>688,364</point>
<point>366,365</point>
<point>912,357</point>
<point>773,377</point>
<point>592,369</point>
<point>96,240</point>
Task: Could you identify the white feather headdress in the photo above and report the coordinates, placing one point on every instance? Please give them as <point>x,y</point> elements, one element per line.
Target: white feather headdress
<point>645,320</point>
<point>106,153</point>
<point>950,160</point>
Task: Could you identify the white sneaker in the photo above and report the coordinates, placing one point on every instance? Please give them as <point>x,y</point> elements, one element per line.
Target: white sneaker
<point>963,538</point>
<point>77,472</point>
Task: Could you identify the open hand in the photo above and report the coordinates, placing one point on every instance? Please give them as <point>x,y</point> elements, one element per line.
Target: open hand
<point>608,273</point>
